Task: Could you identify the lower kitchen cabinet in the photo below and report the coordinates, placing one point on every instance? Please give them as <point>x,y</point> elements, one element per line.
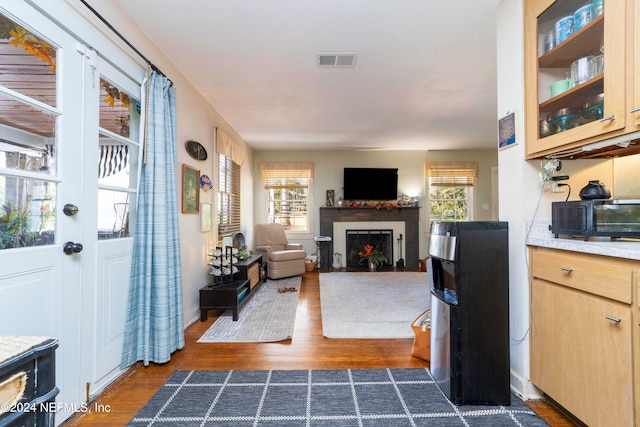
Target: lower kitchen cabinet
<point>584,326</point>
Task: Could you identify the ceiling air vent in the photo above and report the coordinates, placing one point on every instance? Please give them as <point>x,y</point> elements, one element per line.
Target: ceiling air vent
<point>336,60</point>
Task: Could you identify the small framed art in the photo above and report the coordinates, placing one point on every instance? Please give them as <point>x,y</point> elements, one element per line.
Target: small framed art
<point>331,195</point>
<point>190,189</point>
<point>507,131</point>
<point>206,217</point>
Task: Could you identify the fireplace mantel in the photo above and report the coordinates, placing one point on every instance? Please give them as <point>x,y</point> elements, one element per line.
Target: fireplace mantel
<point>409,215</point>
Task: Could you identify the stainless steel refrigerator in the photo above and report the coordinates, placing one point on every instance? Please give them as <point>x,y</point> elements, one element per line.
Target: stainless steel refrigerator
<point>469,280</point>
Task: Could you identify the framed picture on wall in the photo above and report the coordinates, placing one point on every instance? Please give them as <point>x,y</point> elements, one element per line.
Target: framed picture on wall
<point>206,217</point>
<point>507,131</point>
<point>331,195</point>
<point>190,189</point>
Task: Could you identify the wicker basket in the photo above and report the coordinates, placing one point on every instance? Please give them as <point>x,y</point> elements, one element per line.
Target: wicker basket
<point>310,265</point>
<point>254,274</point>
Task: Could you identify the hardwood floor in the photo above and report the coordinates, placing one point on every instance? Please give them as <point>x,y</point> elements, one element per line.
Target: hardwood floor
<point>307,350</point>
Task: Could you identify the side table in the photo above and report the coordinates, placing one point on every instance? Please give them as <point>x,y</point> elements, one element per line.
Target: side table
<point>324,244</point>
<point>229,296</point>
<point>233,295</point>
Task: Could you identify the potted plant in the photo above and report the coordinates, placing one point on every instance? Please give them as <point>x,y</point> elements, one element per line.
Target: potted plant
<point>374,257</point>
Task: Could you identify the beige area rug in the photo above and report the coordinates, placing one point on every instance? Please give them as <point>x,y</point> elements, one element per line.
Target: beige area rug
<point>268,316</point>
<point>372,304</point>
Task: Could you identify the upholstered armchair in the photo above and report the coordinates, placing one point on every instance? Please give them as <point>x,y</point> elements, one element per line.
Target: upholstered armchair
<point>283,259</point>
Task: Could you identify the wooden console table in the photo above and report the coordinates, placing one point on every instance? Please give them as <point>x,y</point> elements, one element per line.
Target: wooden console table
<point>233,295</point>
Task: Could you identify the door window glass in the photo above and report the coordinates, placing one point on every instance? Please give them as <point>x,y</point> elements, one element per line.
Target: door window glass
<point>28,63</point>
<point>117,162</point>
<point>28,120</point>
<point>27,137</point>
<point>27,212</point>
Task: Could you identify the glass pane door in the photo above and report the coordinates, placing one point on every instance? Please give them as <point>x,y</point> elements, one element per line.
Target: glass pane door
<point>117,163</point>
<point>28,123</point>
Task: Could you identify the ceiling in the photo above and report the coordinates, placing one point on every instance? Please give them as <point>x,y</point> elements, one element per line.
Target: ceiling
<point>424,79</point>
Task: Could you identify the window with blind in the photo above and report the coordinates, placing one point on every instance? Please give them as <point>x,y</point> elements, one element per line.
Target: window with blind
<point>228,196</point>
<point>451,190</point>
<point>288,188</point>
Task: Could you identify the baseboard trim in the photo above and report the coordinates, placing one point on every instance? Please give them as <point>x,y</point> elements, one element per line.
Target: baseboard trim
<point>524,388</point>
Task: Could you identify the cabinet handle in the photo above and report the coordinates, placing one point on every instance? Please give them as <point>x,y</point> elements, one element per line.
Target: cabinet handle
<point>567,269</point>
<point>614,319</point>
<point>635,110</point>
<point>608,118</point>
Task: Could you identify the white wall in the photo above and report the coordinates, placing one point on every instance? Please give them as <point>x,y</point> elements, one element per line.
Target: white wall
<point>329,165</point>
<point>518,182</point>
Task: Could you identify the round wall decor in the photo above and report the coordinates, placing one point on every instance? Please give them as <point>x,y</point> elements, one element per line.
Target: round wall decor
<point>196,150</point>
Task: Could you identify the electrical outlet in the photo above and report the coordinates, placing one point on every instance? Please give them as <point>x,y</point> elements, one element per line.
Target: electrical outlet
<point>555,188</point>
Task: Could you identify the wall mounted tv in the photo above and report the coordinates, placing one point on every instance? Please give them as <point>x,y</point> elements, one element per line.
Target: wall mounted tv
<point>370,183</point>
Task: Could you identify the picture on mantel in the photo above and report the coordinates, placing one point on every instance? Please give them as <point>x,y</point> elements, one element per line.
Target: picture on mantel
<point>331,194</point>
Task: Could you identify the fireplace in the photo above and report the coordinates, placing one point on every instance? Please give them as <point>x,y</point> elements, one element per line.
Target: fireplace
<point>334,221</point>
<point>356,240</point>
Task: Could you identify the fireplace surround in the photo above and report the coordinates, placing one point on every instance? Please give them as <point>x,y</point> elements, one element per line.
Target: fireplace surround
<point>408,217</point>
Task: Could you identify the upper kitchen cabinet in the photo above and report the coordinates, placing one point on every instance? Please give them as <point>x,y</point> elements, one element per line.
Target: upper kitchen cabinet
<point>579,77</point>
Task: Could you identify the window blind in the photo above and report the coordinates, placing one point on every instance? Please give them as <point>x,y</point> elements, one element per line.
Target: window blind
<point>228,196</point>
<point>284,170</point>
<point>451,174</point>
<point>287,185</point>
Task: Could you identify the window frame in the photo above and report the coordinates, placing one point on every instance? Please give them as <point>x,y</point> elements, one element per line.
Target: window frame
<point>229,177</point>
<point>299,174</point>
<point>451,175</point>
<point>468,200</point>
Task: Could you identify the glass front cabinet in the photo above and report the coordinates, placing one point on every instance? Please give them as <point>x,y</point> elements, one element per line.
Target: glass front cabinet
<point>580,85</point>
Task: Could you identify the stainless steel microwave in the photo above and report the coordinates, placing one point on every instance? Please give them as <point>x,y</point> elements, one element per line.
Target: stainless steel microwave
<point>598,217</point>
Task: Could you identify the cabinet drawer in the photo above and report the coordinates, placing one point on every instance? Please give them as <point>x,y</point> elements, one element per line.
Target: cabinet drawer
<point>600,275</point>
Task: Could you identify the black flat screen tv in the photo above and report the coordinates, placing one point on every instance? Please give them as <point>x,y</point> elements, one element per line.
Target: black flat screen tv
<point>370,183</point>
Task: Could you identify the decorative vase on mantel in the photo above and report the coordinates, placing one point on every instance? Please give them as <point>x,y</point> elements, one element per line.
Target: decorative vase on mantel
<point>372,266</point>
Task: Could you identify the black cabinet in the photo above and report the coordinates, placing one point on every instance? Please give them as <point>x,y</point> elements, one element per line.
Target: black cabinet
<point>231,296</point>
<point>28,381</point>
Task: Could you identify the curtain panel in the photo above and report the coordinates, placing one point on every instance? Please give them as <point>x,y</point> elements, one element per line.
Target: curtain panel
<point>154,326</point>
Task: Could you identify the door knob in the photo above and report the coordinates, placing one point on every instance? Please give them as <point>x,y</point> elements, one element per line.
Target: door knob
<point>69,209</point>
<point>72,248</point>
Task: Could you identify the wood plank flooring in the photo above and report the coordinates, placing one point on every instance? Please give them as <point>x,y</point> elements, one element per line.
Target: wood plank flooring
<point>307,350</point>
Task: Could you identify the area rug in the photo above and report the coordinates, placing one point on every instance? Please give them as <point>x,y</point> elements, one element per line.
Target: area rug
<point>318,398</point>
<point>268,315</point>
<point>372,304</point>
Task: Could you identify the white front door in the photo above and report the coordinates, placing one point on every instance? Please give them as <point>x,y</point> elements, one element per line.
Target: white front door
<point>69,126</point>
<point>40,155</point>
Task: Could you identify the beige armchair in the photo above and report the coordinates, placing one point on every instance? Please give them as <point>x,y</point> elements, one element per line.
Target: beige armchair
<point>283,259</point>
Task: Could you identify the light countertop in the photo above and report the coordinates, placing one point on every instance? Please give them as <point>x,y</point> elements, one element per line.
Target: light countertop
<point>537,234</point>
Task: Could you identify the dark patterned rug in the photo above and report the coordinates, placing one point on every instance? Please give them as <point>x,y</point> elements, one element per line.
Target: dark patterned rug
<point>318,398</point>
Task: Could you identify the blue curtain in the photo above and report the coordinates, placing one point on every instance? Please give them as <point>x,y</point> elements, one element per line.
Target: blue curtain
<point>154,325</point>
